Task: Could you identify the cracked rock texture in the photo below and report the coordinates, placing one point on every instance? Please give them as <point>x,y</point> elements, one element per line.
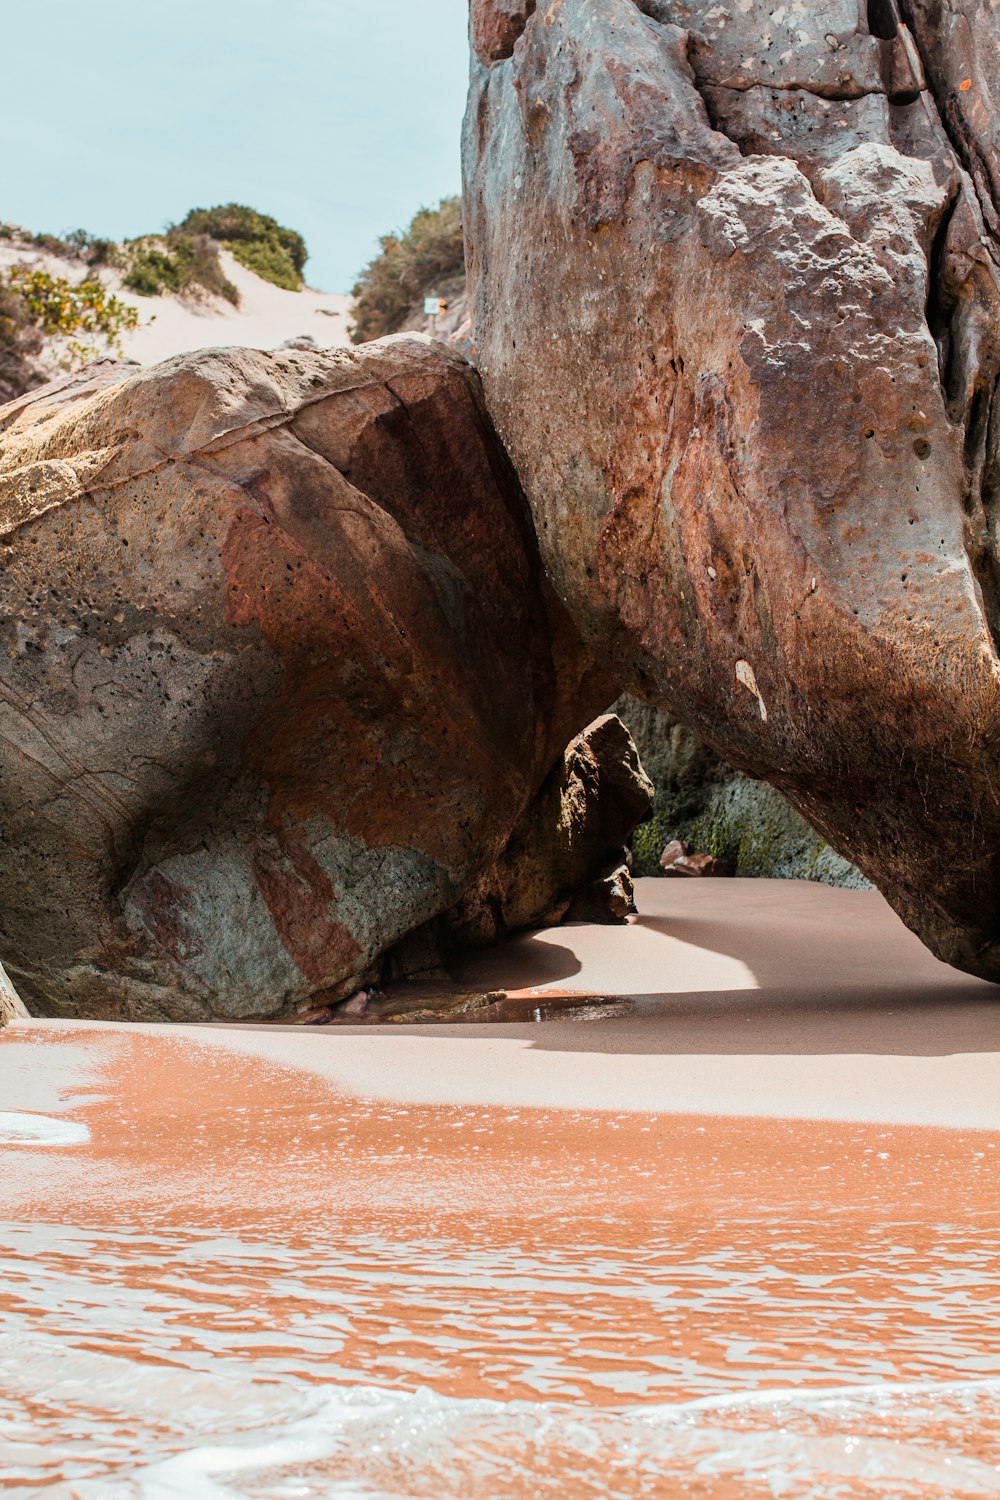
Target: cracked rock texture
<point>734,273</point>
<point>280,672</point>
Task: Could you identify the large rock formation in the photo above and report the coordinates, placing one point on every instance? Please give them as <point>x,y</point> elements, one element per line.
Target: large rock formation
<point>280,672</point>
<point>735,283</point>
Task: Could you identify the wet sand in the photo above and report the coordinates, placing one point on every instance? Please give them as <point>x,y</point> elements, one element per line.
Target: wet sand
<point>523,1260</point>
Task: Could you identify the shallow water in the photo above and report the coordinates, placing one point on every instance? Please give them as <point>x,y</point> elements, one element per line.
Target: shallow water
<point>245,1284</point>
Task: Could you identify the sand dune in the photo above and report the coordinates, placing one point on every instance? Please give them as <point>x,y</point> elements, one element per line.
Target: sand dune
<point>266,318</point>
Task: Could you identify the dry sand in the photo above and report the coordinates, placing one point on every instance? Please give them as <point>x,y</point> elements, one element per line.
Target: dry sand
<point>266,317</point>
<point>746,997</point>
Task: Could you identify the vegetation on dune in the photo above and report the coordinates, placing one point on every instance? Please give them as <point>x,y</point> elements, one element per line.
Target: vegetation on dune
<point>56,305</point>
<point>176,262</point>
<point>418,261</point>
<point>20,343</point>
<point>36,304</point>
<point>186,256</point>
<point>87,319</point>
<point>267,248</point>
<point>78,244</point>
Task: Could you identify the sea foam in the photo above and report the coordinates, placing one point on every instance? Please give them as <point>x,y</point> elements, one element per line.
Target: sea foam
<point>40,1130</point>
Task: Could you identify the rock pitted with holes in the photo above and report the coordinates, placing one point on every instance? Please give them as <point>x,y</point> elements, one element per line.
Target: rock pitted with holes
<point>735,282</point>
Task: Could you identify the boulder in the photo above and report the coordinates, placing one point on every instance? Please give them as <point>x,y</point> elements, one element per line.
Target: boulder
<point>280,674</point>
<point>734,273</point>
<point>609,898</point>
<point>677,860</point>
<point>566,857</point>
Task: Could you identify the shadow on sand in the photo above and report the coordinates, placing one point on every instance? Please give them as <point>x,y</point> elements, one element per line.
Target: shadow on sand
<point>743,967</point>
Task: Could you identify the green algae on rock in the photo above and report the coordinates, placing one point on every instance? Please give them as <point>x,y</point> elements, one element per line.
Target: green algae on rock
<point>721,811</point>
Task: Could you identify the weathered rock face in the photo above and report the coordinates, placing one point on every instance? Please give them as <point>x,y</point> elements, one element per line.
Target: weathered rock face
<point>496,26</point>
<point>280,673</point>
<point>735,284</point>
<point>567,854</point>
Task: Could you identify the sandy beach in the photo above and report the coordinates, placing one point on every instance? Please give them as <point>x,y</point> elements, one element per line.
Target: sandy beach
<point>738,997</point>
<point>735,1235</point>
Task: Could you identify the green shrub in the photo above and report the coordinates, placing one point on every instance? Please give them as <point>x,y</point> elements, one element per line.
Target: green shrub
<point>33,303</point>
<point>411,264</point>
<point>89,247</point>
<point>57,306</point>
<point>269,249</point>
<point>268,261</point>
<point>152,272</point>
<point>176,263</point>
<point>78,244</point>
<point>198,258</point>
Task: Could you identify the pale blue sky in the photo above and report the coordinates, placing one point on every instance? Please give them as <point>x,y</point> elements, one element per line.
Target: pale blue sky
<point>339,117</point>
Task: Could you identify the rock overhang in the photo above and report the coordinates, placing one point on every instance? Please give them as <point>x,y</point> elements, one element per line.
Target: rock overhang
<point>739,325</point>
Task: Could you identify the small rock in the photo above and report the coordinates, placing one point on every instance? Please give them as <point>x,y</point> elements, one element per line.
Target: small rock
<point>357,1004</point>
<point>696,864</point>
<point>610,898</point>
<point>674,851</point>
<point>449,1008</point>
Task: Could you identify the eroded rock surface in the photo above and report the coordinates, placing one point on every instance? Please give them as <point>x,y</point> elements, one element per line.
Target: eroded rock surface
<point>567,854</point>
<point>734,272</point>
<point>497,24</point>
<point>280,673</point>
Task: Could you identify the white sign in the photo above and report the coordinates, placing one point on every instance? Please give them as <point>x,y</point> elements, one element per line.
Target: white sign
<point>432,307</point>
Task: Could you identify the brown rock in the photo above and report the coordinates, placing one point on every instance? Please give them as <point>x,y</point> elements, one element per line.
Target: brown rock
<point>566,855</point>
<point>677,859</point>
<point>280,673</point>
<point>610,898</point>
<point>674,851</point>
<point>735,280</point>
<point>694,864</point>
<point>496,26</point>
